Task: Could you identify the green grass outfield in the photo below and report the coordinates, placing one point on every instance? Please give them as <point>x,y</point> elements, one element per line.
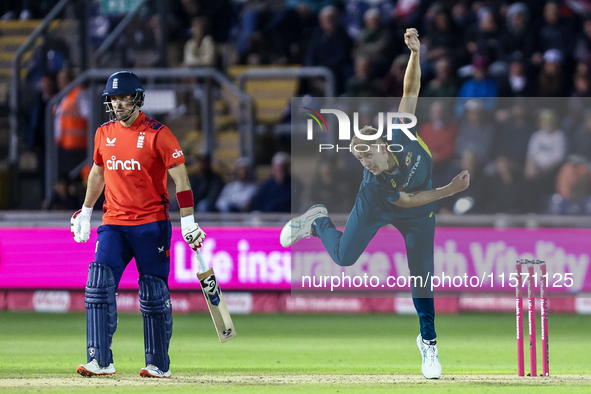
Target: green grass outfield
<point>296,353</point>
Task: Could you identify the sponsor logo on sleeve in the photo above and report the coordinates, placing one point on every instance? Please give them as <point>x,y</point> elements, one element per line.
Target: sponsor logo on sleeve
<point>177,153</point>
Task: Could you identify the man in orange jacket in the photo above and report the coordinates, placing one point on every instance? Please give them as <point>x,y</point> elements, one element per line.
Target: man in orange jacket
<point>71,124</point>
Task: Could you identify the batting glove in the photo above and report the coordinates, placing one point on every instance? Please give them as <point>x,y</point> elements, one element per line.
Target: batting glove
<point>80,224</point>
<point>192,234</point>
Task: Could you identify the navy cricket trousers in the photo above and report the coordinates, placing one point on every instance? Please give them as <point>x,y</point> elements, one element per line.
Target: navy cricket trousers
<point>148,243</point>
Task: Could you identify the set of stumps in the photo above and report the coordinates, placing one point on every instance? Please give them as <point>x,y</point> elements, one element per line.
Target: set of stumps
<point>530,277</point>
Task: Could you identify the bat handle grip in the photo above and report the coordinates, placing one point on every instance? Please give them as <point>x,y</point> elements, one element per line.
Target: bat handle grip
<point>202,266</point>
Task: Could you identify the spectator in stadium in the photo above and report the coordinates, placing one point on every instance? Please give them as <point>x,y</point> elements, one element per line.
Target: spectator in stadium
<point>71,124</point>
<point>577,102</point>
<point>328,188</point>
<point>252,45</point>
<point>46,88</point>
<point>374,43</point>
<point>64,196</point>
<point>361,84</point>
<point>514,129</point>
<point>516,83</point>
<point>581,86</point>
<point>478,86</point>
<point>581,141</point>
<point>575,170</point>
<point>330,46</point>
<point>517,40</point>
<point>200,48</point>
<point>25,9</point>
<point>442,37</point>
<point>546,150</point>
<point>393,82</point>
<point>274,195</point>
<point>462,15</point>
<point>217,13</point>
<point>551,82</point>
<point>504,187</point>
<point>355,12</point>
<point>573,189</point>
<point>206,185</point>
<point>476,134</point>
<point>440,136</point>
<point>180,15</point>
<point>554,34</point>
<point>292,24</point>
<point>583,48</point>
<point>236,195</point>
<point>50,57</point>
<point>444,84</point>
<point>484,41</point>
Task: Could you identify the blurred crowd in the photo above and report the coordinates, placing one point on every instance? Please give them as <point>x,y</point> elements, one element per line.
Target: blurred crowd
<point>25,9</point>
<point>524,156</point>
<point>522,159</point>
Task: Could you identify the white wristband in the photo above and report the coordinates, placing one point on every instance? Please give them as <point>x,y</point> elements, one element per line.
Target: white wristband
<point>186,221</point>
<point>86,211</point>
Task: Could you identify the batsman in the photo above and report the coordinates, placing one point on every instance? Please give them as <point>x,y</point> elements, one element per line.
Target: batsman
<point>396,189</point>
<point>133,154</point>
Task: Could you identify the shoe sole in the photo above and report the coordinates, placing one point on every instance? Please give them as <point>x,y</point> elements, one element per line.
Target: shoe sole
<point>287,226</point>
<point>146,374</point>
<point>86,373</point>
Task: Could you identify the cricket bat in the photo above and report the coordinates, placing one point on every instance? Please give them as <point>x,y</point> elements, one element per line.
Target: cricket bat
<point>215,301</point>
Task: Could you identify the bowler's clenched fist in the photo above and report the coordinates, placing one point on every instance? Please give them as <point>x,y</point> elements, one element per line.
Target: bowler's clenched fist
<point>411,39</point>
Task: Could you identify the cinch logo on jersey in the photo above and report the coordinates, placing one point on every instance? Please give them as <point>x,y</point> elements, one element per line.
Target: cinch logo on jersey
<point>115,164</point>
<point>345,126</point>
<point>177,153</point>
<point>140,140</point>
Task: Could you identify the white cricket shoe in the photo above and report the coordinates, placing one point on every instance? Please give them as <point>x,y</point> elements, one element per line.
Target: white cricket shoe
<point>152,371</point>
<point>94,369</point>
<point>431,367</point>
<point>301,226</point>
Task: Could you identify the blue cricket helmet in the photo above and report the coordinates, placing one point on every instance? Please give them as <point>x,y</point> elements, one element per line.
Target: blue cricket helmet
<point>123,82</point>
